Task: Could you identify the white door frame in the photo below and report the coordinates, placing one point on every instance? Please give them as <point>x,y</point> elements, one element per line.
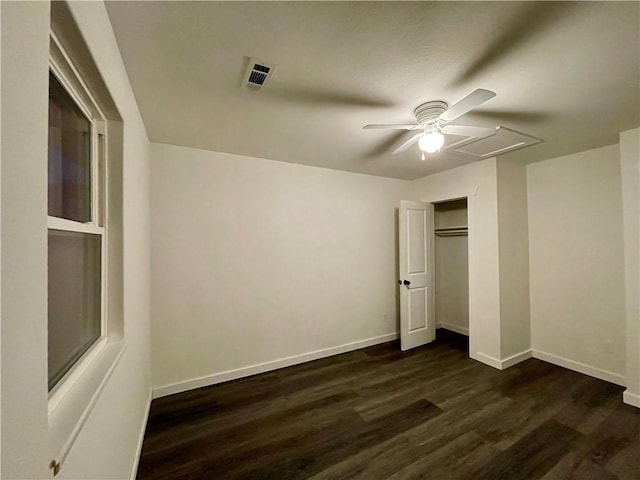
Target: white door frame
<point>470,193</point>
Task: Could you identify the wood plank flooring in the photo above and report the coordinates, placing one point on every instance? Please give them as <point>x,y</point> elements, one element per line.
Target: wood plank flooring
<point>379,413</point>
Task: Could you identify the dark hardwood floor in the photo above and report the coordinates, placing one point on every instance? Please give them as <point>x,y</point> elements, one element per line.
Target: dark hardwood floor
<point>380,413</point>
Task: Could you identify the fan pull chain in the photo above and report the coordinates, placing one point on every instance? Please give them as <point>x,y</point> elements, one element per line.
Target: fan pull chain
<point>423,156</point>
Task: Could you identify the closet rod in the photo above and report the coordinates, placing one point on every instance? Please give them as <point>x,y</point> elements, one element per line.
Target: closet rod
<point>452,232</point>
<point>449,229</point>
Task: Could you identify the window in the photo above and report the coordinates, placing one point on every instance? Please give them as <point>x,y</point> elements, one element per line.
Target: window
<point>75,236</point>
<point>70,145</point>
<point>85,236</point>
<point>75,230</point>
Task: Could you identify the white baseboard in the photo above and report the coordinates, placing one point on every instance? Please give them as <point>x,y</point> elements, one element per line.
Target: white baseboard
<point>517,358</point>
<point>454,328</point>
<point>268,366</point>
<point>580,367</point>
<point>486,359</point>
<point>501,364</point>
<point>143,429</point>
<point>631,399</point>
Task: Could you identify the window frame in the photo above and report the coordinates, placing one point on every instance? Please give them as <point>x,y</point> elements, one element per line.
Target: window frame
<point>97,224</point>
<point>72,399</point>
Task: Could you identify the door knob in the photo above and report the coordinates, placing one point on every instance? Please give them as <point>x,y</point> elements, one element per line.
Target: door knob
<point>406,282</point>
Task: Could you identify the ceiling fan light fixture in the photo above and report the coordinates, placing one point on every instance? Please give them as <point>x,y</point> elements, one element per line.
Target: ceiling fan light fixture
<point>431,142</point>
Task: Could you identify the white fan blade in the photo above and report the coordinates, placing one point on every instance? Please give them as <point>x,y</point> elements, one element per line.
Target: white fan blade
<point>393,126</point>
<point>471,101</point>
<point>467,131</point>
<point>408,143</point>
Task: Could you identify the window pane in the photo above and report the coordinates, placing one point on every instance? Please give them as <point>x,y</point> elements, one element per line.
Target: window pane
<point>74,298</point>
<point>69,157</point>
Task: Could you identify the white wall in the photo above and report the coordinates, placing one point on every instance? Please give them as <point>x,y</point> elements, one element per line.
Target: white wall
<point>254,261</point>
<point>0,257</point>
<point>630,170</point>
<point>106,447</point>
<point>24,289</point>
<point>576,261</point>
<point>478,182</point>
<point>452,283</point>
<point>513,241</point>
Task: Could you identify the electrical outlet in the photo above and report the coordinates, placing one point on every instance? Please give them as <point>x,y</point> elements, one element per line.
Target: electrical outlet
<point>608,346</point>
<point>385,318</point>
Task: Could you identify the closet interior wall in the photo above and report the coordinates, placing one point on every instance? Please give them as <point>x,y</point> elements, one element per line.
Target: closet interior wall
<point>452,266</point>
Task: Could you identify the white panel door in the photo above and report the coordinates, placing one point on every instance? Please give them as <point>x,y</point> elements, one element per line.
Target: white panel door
<point>417,319</point>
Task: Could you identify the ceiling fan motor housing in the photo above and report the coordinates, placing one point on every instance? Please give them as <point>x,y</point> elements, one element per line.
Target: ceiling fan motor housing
<point>427,114</point>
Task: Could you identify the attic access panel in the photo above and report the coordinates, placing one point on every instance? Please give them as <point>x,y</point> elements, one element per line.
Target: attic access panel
<point>503,141</point>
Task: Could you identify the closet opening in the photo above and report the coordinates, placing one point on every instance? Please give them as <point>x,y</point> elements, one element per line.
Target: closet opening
<point>451,248</point>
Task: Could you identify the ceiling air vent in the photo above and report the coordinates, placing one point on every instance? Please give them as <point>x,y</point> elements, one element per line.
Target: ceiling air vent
<point>257,74</point>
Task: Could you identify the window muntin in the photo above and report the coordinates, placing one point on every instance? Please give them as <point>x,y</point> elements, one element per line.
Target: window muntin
<point>76,290</point>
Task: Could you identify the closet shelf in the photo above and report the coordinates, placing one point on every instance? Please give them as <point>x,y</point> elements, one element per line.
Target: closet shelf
<point>452,232</point>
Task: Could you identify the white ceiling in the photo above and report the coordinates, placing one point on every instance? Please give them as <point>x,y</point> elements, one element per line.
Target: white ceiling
<point>568,73</point>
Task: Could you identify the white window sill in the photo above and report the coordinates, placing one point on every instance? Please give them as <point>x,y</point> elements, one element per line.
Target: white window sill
<point>69,412</point>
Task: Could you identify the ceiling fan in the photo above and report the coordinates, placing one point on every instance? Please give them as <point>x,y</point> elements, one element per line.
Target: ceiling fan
<point>434,120</point>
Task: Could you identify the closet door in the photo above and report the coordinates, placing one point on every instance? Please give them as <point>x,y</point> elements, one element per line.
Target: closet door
<point>417,319</point>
